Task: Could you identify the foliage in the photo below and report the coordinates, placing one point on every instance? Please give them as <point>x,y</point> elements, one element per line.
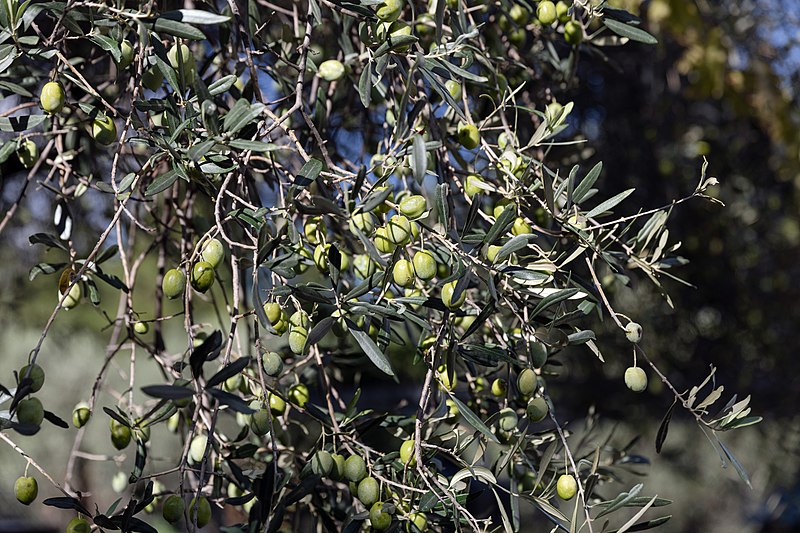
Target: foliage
<point>368,190</point>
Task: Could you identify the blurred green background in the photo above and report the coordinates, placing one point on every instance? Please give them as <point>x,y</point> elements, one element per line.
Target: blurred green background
<point>721,84</point>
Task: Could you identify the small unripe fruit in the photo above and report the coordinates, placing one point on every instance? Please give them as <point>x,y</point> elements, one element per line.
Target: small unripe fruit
<point>297,339</point>
<point>536,409</point>
<point>213,252</point>
<point>202,276</point>
<point>311,228</point>
<point>141,328</point>
<point>364,266</point>
<point>260,422</point>
<point>538,354</point>
<point>472,185</point>
<point>407,452</point>
<point>521,227</point>
<point>413,206</point>
<point>30,412</point>
<point>73,298</point>
<point>355,469</point>
<point>186,60</point>
<point>276,404</point>
<point>382,241</point>
<point>519,14</point>
<point>424,265</point>
<point>468,136</point>
<point>26,489</point>
<point>36,376</point>
<point>197,449</point>
<point>403,273</point>
<point>202,512</point>
<point>636,379</point>
<point>321,257</point>
<point>337,472</point>
<point>174,283</point>
<point>368,491</point>
<point>172,511</point>
<point>299,394</point>
<point>507,419</point>
<point>447,296</point>
<point>566,487</point>
<point>447,380</point>
<point>452,407</point>
<point>379,519</point>
<point>78,525</point>
<point>398,230</point>
<point>273,312</point>
<point>633,332</point>
<point>322,463</point>
<point>126,54</point>
<point>573,32</point>
<point>52,97</point>
<point>104,131</point>
<point>365,222</point>
<point>454,88</point>
<point>28,153</point>
<point>491,252</point>
<point>331,70</point>
<point>546,12</point>
<point>81,415</point>
<point>390,10</point>
<point>273,364</point>
<point>526,382</point>
<point>562,11</point>
<point>499,387</point>
<point>500,206</point>
<point>419,521</point>
<point>152,79</point>
<point>120,435</point>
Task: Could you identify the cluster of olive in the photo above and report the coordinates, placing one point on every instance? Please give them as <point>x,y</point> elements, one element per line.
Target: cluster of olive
<point>202,275</point>
<point>29,412</point>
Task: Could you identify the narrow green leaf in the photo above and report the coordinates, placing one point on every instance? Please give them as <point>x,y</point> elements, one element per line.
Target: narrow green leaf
<point>474,420</point>
<point>631,32</point>
<point>609,204</point>
<point>378,358</point>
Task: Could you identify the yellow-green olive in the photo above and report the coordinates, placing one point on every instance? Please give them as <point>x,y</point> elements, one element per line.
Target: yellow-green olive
<point>468,136</point>
<point>52,97</point>
<point>174,283</point>
<point>403,273</point>
<point>104,131</point>
<point>331,70</point>
<point>424,265</point>
<point>213,252</point>
<point>202,276</point>
<point>447,296</point>
<point>28,153</point>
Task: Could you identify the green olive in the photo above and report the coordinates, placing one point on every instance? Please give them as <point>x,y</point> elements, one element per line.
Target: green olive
<point>507,419</point>
<point>521,227</point>
<point>389,10</point>
<point>78,525</point>
<point>213,252</point>
<point>299,394</point>
<point>573,32</point>
<point>141,328</point>
<point>636,379</point>
<point>633,332</point>
<point>337,472</point>
<point>202,276</point>
<point>364,266</point>
<point>152,79</point>
<point>472,186</point>
<point>276,404</point>
<point>368,491</point>
<point>52,97</point>
<point>36,376</point>
<point>365,222</point>
<point>30,412</point>
<point>355,469</point>
<point>519,14</point>
<point>28,153</point>
<point>491,252</point>
<point>173,508</point>
<point>446,379</point>
<point>383,243</point>
<point>81,415</point>
<point>297,339</point>
<point>526,382</point>
<point>311,229</point>
<point>321,257</point>
<point>398,230</point>
<point>566,487</point>
<point>331,70</point>
<point>26,489</point>
<point>424,265</point>
<point>413,206</point>
<point>322,463</point>
<point>546,12</point>
<point>468,136</point>
<point>499,387</point>
<point>104,131</point>
<point>562,11</point>
<point>273,311</point>
<point>272,363</point>
<point>120,435</point>
<point>536,410</point>
<point>197,448</point>
<point>378,518</point>
<point>453,88</point>
<point>447,295</point>
<point>403,273</point>
<point>407,453</point>
<point>260,422</point>
<point>174,283</point>
<point>73,298</point>
<point>500,206</point>
<point>200,510</point>
<point>126,54</point>
<point>181,56</point>
<point>418,522</point>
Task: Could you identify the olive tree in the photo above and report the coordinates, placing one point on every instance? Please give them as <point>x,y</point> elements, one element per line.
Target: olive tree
<point>334,197</point>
